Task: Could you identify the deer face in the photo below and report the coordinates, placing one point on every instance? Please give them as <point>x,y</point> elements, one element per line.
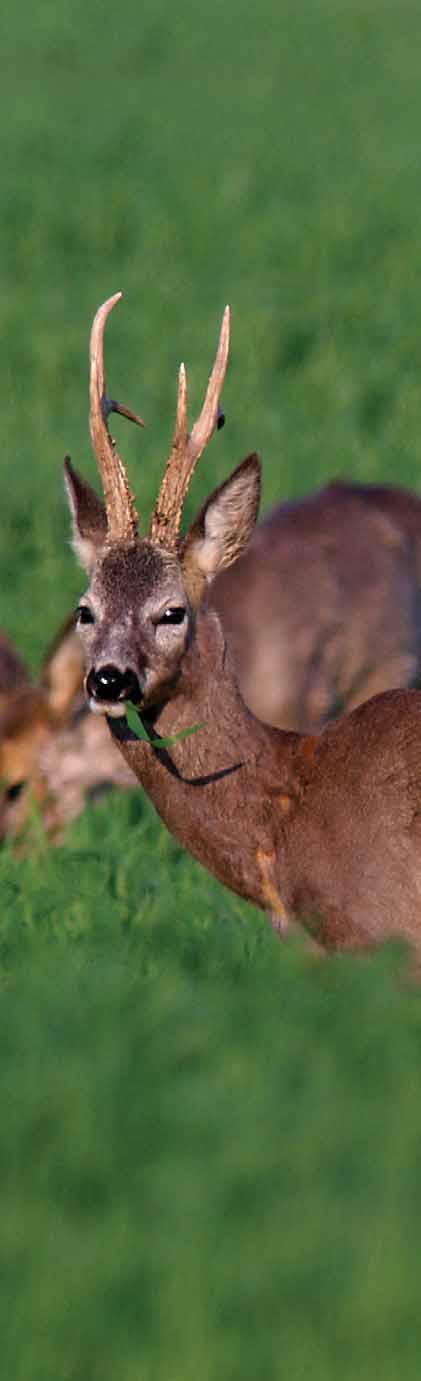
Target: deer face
<point>134,623</point>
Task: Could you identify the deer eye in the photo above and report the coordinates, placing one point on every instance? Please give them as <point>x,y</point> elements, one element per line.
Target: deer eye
<point>84,614</point>
<point>13,792</point>
<point>175,614</point>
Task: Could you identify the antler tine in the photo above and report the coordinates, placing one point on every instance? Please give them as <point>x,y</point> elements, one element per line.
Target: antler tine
<point>205,426</point>
<point>186,449</point>
<point>122,519</point>
<point>180,433</point>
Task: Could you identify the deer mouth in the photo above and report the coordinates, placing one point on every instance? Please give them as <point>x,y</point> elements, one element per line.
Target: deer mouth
<point>113,711</point>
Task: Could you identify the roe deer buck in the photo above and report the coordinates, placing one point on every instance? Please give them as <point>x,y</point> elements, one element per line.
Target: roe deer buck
<point>52,751</point>
<point>323,829</point>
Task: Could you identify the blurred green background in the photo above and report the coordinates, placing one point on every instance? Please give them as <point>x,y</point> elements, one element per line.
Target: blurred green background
<point>211,1144</point>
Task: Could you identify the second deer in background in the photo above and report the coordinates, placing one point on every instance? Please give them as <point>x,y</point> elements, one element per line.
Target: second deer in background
<point>53,754</point>
<point>323,609</point>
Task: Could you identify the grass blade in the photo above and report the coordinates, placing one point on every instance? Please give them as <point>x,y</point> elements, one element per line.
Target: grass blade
<point>137,727</point>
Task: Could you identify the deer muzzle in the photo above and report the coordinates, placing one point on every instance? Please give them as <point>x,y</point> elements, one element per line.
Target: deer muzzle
<point>108,688</point>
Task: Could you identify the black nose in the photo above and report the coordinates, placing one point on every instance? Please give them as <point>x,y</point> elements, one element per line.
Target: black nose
<point>110,684</point>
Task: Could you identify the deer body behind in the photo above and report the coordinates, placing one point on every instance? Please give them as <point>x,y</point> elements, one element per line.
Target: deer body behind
<point>323,608</point>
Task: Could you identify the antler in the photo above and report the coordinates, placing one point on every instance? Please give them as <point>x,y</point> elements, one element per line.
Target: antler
<point>122,519</point>
<point>186,448</point>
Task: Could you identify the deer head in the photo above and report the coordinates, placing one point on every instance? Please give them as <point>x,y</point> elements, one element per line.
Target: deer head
<point>31,717</point>
<point>53,754</point>
<point>137,618</point>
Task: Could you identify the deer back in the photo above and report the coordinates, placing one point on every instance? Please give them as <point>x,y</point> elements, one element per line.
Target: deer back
<point>323,609</point>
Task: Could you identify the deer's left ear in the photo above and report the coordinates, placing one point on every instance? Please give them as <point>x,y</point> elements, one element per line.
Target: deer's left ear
<point>62,670</point>
<point>88,517</point>
<point>223,527</point>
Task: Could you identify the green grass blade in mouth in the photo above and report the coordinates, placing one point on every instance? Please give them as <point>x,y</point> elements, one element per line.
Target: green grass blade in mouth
<point>137,727</point>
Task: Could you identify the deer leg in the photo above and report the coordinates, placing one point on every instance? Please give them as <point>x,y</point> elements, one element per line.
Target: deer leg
<point>271,899</point>
<point>279,924</point>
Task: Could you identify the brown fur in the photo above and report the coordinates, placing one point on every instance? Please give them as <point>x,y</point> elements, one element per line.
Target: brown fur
<point>13,670</point>
<point>345,858</point>
<point>323,608</point>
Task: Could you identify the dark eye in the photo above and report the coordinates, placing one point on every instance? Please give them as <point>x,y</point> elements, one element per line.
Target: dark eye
<point>84,614</point>
<point>14,791</point>
<point>176,614</point>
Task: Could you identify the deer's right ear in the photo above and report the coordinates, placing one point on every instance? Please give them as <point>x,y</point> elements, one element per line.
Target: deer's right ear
<point>222,528</point>
<point>88,518</point>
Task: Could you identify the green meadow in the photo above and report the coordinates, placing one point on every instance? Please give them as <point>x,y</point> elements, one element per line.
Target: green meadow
<point>210,1143</point>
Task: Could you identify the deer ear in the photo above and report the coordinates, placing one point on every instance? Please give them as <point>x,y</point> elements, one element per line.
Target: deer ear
<point>13,672</point>
<point>62,670</point>
<point>223,526</point>
<point>88,517</point>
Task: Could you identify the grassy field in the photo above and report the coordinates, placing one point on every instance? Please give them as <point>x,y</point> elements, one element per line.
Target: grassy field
<point>210,1146</point>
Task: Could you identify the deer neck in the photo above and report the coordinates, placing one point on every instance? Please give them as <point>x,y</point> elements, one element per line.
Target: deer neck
<point>214,790</point>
